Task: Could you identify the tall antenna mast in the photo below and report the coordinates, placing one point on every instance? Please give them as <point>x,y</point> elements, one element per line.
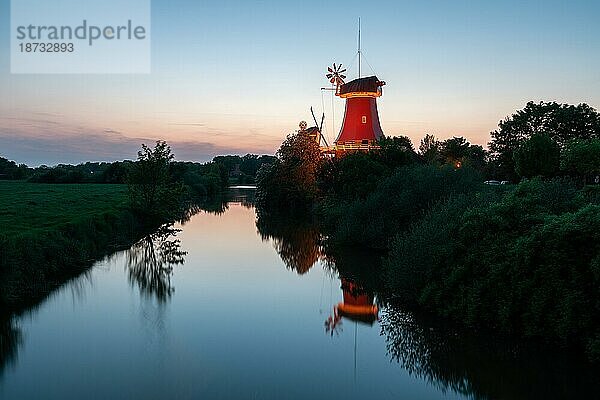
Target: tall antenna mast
<point>359,47</point>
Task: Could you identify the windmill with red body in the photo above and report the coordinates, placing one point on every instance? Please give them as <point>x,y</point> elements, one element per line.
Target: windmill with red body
<point>361,128</point>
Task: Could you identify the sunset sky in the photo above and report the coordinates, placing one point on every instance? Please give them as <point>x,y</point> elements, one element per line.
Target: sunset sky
<point>236,77</point>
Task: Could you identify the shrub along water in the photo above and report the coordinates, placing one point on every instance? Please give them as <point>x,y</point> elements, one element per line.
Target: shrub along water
<point>526,263</point>
<point>398,201</point>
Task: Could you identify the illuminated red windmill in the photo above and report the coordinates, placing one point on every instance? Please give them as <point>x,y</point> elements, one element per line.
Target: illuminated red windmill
<point>361,129</point>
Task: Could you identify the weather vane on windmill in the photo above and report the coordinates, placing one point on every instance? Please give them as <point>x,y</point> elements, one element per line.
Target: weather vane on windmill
<point>336,76</point>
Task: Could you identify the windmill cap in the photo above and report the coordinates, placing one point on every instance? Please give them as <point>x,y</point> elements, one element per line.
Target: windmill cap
<point>369,84</point>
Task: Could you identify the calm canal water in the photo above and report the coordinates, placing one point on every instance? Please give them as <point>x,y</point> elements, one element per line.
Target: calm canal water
<point>231,308</point>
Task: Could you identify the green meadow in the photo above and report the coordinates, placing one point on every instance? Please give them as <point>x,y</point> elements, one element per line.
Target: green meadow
<point>34,208</point>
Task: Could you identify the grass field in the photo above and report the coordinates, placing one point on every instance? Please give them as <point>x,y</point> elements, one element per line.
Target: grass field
<point>51,232</point>
<point>30,208</point>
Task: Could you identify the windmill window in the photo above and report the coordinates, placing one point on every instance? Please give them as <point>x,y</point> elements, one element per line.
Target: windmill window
<point>366,141</point>
<point>364,119</point>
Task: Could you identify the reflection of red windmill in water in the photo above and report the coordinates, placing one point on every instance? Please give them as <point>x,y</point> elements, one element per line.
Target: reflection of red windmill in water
<point>333,323</point>
<point>358,306</point>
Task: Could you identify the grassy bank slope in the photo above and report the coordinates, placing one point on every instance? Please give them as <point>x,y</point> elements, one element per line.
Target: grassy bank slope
<point>50,232</point>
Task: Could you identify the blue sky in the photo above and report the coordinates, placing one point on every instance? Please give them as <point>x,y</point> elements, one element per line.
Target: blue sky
<point>236,77</point>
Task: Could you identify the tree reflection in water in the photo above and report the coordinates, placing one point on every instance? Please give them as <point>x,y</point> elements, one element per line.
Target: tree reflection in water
<point>297,242</point>
<point>10,341</point>
<point>191,210</point>
<point>151,260</point>
<point>244,196</point>
<point>474,364</point>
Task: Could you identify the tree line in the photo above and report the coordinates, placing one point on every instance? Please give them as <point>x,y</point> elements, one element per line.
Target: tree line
<point>237,169</point>
<point>543,139</point>
<point>157,183</point>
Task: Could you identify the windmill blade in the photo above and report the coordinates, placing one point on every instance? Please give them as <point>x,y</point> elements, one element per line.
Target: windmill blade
<point>321,130</point>
<point>344,70</point>
<point>332,80</point>
<point>329,69</point>
<point>334,68</point>
<point>314,118</point>
<point>343,76</point>
<point>321,125</point>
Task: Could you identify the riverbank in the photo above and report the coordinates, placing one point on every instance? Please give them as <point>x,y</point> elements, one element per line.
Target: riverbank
<point>50,232</point>
<point>520,260</point>
<point>523,261</point>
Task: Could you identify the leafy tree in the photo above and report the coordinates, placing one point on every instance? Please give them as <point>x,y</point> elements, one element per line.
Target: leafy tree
<point>10,170</point>
<point>562,122</point>
<point>228,161</point>
<point>291,181</point>
<point>454,150</point>
<point>476,157</point>
<point>251,163</point>
<point>200,179</point>
<point>538,156</point>
<point>115,172</point>
<point>352,176</point>
<point>302,155</point>
<point>458,152</point>
<point>582,157</point>
<point>150,188</point>
<point>396,151</point>
<point>245,167</point>
<point>429,149</point>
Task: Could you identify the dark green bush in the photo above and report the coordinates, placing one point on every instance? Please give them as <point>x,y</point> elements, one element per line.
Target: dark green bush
<point>398,201</point>
<point>354,176</point>
<point>525,264</point>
